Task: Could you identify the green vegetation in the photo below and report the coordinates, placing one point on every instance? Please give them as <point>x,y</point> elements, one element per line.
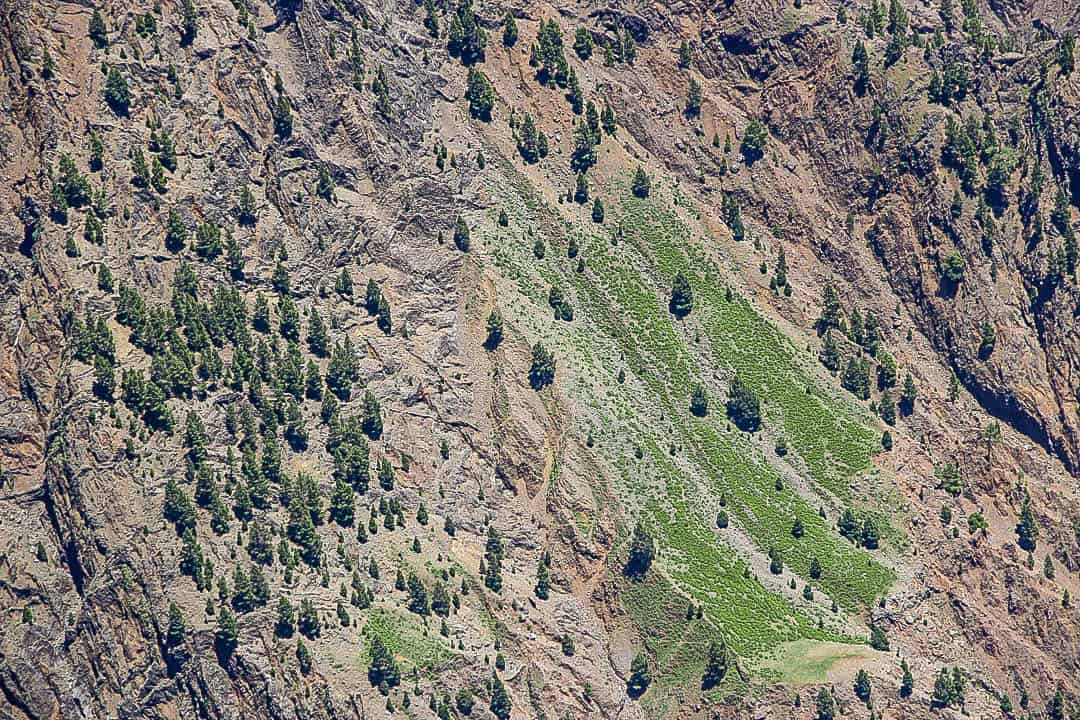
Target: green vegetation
<point>623,315</point>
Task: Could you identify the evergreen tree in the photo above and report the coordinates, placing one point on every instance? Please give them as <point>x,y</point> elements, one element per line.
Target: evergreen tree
<point>308,621</point>
<point>848,526</point>
<point>584,154</point>
<point>639,679</point>
<point>1056,708</point>
<point>494,330</point>
<point>862,685</point>
<point>176,630</point>
<point>418,596</point>
<point>189,22</point>
<point>282,115</point>
<point>743,406</point>
<point>285,625</point>
<point>641,185</point>
<point>548,51</point>
<point>754,141</point>
<point>466,39</point>
<point>543,581</point>
<point>682,296</point>
<point>908,395</point>
<point>733,217</point>
<point>303,657</point>
<point>510,30</point>
<point>97,30</point>
<point>176,232</point>
<point>826,705</point>
<point>500,700</point>
<point>383,667</point>
<point>887,408</point>
<point>581,190</point>
<point>699,401</point>
<point>583,43</point>
<point>226,635</point>
<point>117,93</point>
<point>607,120</point>
<point>1066,61</point>
<point>685,58</point>
<point>830,353</point>
<point>480,95</point>
<point>693,99</point>
<point>642,551</point>
<point>343,285</point>
<point>317,338</point>
<point>907,682</point>
<point>341,502</point>
<point>1027,529</point>
<point>716,665</point>
<point>542,369</point>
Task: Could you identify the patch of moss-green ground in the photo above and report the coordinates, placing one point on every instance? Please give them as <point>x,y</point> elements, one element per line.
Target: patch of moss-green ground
<point>405,636</point>
<point>673,467</point>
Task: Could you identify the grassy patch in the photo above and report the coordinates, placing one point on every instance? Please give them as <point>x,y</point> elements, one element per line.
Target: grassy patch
<point>406,637</point>
<point>809,662</point>
<point>672,467</point>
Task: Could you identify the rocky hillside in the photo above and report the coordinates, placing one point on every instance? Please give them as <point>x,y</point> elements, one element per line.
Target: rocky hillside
<point>448,360</point>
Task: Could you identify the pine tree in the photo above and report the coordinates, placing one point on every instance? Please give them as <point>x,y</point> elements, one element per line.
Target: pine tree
<point>189,19</point>
<point>733,217</point>
<point>176,630</point>
<point>584,154</point>
<point>480,95</point>
<point>494,330</point>
<point>743,406</point>
<point>510,30</point>
<point>642,551</point>
<point>341,502</point>
<point>117,94</point>
<point>176,232</point>
<point>285,625</point>
<point>308,622</point>
<point>716,665</point>
<point>226,635</point>
<point>641,185</point>
<point>1027,529</point>
<point>908,395</point>
<point>607,120</point>
<point>826,705</point>
<point>97,30</point>
<point>317,338</point>
<point>500,700</point>
<point>462,235</point>
<point>830,353</point>
<point>693,99</point>
<point>848,525</point>
<point>699,401</point>
<point>907,682</point>
<point>383,667</point>
<point>685,57</point>
<point>639,679</point>
<point>860,63</point>
<point>542,368</point>
<point>543,581</point>
<point>754,140</point>
<point>682,296</point>
<point>282,114</point>
<point>862,686</point>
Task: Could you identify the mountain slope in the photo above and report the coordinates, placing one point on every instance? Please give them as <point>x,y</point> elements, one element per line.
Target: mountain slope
<point>283,438</point>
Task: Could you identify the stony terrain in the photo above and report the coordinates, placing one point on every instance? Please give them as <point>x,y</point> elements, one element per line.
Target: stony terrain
<point>277,287</point>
